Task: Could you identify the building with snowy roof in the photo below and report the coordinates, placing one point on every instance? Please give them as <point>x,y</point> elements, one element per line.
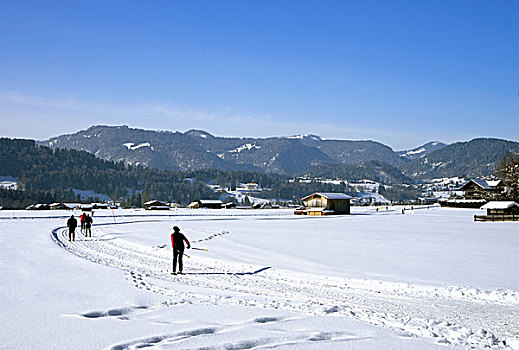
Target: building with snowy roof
<point>39,206</point>
<point>156,205</point>
<point>319,204</point>
<point>499,211</point>
<point>206,203</point>
<point>482,189</point>
<point>501,208</point>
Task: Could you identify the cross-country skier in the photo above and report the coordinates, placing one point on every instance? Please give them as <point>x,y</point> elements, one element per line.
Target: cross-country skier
<point>88,225</point>
<point>82,221</point>
<point>71,224</point>
<point>177,242</point>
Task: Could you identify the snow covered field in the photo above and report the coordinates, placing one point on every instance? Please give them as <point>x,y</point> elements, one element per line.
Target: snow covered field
<point>372,280</point>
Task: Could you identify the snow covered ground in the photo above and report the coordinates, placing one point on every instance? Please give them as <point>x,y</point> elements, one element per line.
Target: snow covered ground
<point>372,280</point>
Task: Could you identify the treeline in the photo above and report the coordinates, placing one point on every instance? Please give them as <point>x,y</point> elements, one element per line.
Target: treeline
<point>46,175</point>
<point>373,170</point>
<point>17,199</point>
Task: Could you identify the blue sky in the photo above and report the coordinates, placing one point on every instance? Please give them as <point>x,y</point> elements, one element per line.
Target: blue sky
<point>398,72</point>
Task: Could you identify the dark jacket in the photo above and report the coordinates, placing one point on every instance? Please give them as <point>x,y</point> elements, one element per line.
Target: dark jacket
<point>88,220</point>
<point>177,241</point>
<point>72,223</point>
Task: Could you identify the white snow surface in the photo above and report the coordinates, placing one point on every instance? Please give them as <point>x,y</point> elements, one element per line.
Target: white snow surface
<point>303,136</point>
<point>132,146</point>
<point>372,280</point>
<point>247,146</point>
<point>418,151</point>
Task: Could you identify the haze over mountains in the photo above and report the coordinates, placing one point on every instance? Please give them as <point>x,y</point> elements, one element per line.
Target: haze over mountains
<point>197,149</point>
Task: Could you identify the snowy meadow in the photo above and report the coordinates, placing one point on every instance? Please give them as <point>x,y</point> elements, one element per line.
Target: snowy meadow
<point>432,278</point>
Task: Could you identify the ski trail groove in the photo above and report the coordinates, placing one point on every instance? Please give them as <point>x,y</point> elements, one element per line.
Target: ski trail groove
<point>452,315</point>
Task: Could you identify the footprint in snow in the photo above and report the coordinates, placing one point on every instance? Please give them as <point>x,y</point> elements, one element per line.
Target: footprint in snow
<point>119,312</point>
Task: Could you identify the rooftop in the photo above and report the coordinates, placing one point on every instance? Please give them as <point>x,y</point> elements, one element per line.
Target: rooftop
<point>500,205</point>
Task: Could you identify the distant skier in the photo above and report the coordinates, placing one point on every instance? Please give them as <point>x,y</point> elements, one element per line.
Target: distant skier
<point>177,242</point>
<point>88,225</point>
<point>82,221</point>
<point>72,224</point>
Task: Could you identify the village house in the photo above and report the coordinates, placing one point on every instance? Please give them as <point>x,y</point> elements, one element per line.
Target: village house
<point>206,203</point>
<point>482,189</point>
<point>252,187</point>
<point>319,204</point>
<point>156,205</point>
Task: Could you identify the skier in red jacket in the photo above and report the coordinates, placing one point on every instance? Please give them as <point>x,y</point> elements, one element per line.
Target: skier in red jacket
<point>82,221</point>
<point>177,242</point>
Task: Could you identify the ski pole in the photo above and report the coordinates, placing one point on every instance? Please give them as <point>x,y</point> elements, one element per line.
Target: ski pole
<point>183,253</point>
<point>205,250</point>
<point>113,216</point>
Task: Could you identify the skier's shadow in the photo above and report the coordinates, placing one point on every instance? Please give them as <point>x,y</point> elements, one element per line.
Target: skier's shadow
<point>229,273</point>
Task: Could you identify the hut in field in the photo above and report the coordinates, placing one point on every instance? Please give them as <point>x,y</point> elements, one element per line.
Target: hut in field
<point>319,204</point>
<point>501,208</point>
<point>206,203</point>
<point>499,211</point>
<point>156,205</point>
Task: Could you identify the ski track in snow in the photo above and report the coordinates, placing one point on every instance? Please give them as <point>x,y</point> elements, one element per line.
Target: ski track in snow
<point>456,315</point>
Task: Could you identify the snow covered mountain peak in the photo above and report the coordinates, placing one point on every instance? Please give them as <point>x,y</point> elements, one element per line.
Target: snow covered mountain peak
<point>306,136</point>
<point>421,151</point>
<point>198,133</point>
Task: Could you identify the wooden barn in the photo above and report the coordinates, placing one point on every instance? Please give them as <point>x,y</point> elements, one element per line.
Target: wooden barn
<point>499,211</point>
<point>206,203</point>
<point>319,204</point>
<point>156,205</point>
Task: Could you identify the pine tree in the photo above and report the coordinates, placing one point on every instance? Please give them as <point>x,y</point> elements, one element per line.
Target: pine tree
<point>508,171</point>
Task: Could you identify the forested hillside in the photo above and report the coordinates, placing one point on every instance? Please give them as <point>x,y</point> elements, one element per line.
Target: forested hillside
<point>373,170</point>
<point>474,158</point>
<point>47,174</point>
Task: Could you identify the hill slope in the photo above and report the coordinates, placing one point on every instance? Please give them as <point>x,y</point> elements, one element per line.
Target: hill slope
<point>474,158</point>
<point>197,149</point>
<point>421,151</point>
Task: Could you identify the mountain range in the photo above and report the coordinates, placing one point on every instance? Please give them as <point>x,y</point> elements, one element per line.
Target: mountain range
<point>197,149</point>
